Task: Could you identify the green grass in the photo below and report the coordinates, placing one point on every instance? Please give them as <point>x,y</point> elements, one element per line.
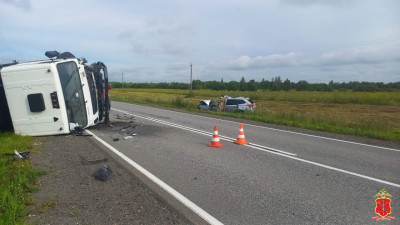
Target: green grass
<point>17,179</point>
<point>373,115</point>
<point>339,97</point>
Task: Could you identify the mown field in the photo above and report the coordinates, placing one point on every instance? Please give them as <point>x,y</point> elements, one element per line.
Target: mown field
<point>366,114</point>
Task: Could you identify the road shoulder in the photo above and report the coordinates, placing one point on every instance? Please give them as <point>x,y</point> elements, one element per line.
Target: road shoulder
<point>69,193</point>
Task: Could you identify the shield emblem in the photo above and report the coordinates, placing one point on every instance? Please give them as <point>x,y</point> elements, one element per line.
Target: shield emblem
<point>383,206</point>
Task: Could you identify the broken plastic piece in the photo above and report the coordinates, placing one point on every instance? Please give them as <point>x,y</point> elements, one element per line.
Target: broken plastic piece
<point>127,137</point>
<point>25,155</point>
<point>19,155</point>
<point>103,173</point>
<point>116,139</point>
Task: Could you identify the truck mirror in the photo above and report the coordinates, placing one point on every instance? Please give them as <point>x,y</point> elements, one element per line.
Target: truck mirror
<point>52,54</point>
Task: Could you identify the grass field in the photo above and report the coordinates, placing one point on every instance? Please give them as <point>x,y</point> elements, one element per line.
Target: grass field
<point>17,179</point>
<point>367,114</point>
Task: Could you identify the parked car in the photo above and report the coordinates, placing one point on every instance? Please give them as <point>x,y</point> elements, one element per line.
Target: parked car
<point>207,105</point>
<point>239,104</point>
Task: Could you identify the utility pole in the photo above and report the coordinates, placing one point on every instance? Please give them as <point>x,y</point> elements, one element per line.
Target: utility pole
<point>191,77</point>
<point>122,79</point>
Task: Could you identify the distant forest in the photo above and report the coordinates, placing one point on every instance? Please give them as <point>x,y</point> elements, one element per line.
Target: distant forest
<point>275,84</point>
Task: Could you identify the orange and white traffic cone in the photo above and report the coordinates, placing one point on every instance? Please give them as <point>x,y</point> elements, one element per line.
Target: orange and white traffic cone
<point>215,139</point>
<point>241,140</point>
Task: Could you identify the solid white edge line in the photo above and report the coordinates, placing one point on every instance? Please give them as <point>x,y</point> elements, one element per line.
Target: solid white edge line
<point>286,131</point>
<point>200,212</point>
<point>345,171</point>
<point>291,157</point>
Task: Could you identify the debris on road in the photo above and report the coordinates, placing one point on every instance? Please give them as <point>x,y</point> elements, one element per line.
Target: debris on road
<point>82,198</point>
<point>103,173</point>
<point>127,137</point>
<point>19,155</point>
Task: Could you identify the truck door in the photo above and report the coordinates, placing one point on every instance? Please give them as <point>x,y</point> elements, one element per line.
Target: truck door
<point>89,90</point>
<point>73,94</point>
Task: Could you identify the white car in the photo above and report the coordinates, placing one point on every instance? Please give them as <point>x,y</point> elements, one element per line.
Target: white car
<point>239,104</point>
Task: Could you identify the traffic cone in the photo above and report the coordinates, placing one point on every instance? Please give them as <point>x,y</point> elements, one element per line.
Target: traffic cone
<point>241,140</point>
<point>215,139</point>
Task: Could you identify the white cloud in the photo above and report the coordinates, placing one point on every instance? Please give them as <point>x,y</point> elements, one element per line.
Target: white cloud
<point>307,3</point>
<point>23,4</point>
<point>337,58</point>
<point>275,60</point>
<point>364,56</point>
<point>156,40</point>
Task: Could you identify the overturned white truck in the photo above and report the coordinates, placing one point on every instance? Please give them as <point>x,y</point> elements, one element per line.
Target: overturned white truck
<point>56,96</point>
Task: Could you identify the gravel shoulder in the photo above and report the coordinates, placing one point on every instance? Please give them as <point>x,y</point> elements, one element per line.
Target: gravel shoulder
<point>69,193</point>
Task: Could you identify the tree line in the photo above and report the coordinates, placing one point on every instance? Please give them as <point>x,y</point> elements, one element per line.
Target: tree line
<point>275,84</point>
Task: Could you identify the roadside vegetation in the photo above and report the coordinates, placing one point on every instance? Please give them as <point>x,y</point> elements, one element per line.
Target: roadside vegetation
<point>17,179</point>
<point>367,114</point>
<point>275,84</point>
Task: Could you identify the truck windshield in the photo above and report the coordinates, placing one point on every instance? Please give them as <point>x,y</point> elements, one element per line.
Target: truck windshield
<point>73,94</point>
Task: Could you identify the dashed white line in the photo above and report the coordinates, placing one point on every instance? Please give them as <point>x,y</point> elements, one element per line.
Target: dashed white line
<point>281,153</point>
<point>291,132</point>
<point>196,209</point>
<point>251,145</point>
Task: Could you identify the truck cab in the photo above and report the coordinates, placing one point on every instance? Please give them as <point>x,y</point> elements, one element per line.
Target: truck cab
<point>50,97</point>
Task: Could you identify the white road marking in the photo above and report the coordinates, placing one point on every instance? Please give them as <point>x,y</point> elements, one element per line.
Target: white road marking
<point>279,152</point>
<point>203,214</point>
<point>286,131</point>
<point>255,146</point>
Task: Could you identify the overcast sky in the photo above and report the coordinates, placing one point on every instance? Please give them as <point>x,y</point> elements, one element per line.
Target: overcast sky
<point>155,41</point>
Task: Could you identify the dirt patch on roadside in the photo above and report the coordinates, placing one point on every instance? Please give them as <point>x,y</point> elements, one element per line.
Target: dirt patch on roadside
<point>69,194</point>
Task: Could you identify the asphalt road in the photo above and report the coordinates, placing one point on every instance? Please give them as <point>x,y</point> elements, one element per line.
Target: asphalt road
<point>288,178</point>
